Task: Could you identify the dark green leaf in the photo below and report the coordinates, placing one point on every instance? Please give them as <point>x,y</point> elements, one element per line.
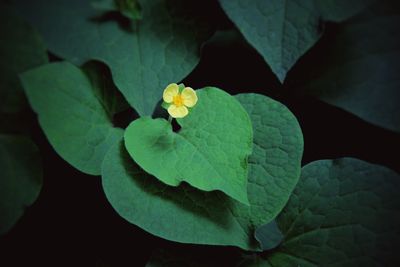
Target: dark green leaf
<point>210,151</point>
<point>275,162</point>
<point>343,212</point>
<point>359,69</point>
<point>20,49</point>
<point>20,180</point>
<point>144,56</point>
<point>71,114</point>
<point>187,215</point>
<point>283,30</point>
<point>269,235</point>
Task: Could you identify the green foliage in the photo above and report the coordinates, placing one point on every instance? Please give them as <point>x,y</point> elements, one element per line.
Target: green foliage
<point>188,215</point>
<point>144,56</point>
<point>20,49</point>
<point>275,162</point>
<point>21,178</point>
<point>363,61</point>
<point>20,161</point>
<point>269,236</point>
<point>230,176</point>
<point>343,212</point>
<point>72,114</point>
<point>209,152</point>
<point>282,31</point>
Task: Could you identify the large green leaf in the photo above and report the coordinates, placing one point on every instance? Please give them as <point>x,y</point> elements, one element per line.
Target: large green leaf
<point>358,70</point>
<point>283,30</point>
<point>20,180</point>
<point>72,114</point>
<point>20,49</point>
<point>209,152</point>
<point>343,212</point>
<point>144,56</point>
<point>188,215</point>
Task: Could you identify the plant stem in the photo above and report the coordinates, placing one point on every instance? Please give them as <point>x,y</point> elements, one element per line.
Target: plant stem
<point>170,119</point>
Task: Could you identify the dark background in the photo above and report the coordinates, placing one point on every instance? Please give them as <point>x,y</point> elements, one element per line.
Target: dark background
<point>72,222</point>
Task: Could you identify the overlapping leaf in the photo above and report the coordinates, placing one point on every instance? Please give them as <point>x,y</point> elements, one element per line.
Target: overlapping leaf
<point>143,56</point>
<point>269,236</point>
<point>358,70</point>
<point>72,114</point>
<point>283,30</point>
<point>342,213</point>
<point>20,162</point>
<point>21,178</point>
<point>188,215</point>
<point>210,151</point>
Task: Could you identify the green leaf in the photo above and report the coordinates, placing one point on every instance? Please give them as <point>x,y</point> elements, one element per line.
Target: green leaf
<point>144,56</point>
<point>269,236</point>
<point>358,70</point>
<point>209,152</point>
<point>185,214</point>
<point>20,180</point>
<point>275,163</point>
<point>343,212</point>
<point>20,49</point>
<point>282,31</point>
<point>71,114</point>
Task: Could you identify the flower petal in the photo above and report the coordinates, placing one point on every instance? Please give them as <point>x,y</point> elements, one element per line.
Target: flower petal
<point>170,91</point>
<point>177,112</point>
<point>189,97</point>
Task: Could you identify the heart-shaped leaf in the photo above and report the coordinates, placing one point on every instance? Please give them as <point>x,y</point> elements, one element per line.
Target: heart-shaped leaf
<point>20,180</point>
<point>282,31</point>
<point>143,56</point>
<point>188,215</point>
<point>363,59</point>
<point>343,212</point>
<point>72,113</point>
<point>210,151</point>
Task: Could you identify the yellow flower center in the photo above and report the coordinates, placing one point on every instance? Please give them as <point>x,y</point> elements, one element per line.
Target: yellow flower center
<point>178,100</point>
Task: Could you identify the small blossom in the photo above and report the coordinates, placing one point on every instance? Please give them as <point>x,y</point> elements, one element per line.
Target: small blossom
<point>179,101</point>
